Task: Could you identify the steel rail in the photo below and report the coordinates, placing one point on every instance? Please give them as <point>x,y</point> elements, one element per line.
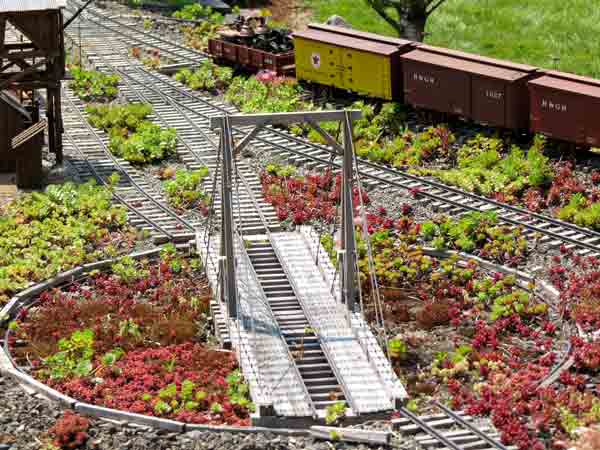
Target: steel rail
<point>439,185</point>
<point>144,99</point>
<point>101,19</point>
<point>396,184</point>
<point>469,426</point>
<point>429,429</point>
<point>413,178</point>
<point>118,196</point>
<point>119,166</point>
<point>173,103</point>
<point>431,183</point>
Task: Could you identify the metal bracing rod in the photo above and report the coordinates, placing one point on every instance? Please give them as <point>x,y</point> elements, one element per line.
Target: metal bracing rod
<point>246,140</point>
<point>334,144</point>
<point>348,270</point>
<point>74,16</point>
<point>227,217</point>
<point>242,120</point>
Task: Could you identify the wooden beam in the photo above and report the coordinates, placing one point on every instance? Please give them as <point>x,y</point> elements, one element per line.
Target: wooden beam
<point>2,32</point>
<point>243,120</point>
<point>7,66</point>
<point>35,84</point>
<point>21,22</point>
<point>17,76</point>
<point>25,54</point>
<point>19,45</point>
<point>28,134</point>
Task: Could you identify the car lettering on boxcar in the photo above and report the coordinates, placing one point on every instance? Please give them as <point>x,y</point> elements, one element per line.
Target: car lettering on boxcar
<point>496,95</point>
<point>548,104</point>
<point>424,78</point>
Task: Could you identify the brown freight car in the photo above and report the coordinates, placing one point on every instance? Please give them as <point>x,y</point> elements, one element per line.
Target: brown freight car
<point>486,90</point>
<point>567,107</point>
<point>251,58</point>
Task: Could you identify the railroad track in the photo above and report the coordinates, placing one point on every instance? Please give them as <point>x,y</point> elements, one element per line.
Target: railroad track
<point>104,24</point>
<point>189,112</point>
<point>90,157</point>
<point>450,429</point>
<point>256,217</point>
<point>197,146</point>
<point>453,201</point>
<point>295,150</point>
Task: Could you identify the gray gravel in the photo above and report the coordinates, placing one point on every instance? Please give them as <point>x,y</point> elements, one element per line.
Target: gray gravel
<point>25,419</point>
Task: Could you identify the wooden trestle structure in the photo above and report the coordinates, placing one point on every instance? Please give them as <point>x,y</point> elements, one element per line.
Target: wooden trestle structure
<point>32,58</point>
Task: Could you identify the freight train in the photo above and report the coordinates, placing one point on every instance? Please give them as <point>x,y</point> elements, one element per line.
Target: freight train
<point>488,91</point>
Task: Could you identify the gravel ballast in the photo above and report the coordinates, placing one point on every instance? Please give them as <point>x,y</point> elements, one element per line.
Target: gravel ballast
<point>24,420</point>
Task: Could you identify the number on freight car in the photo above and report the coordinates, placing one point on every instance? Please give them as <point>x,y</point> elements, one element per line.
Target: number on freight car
<point>424,78</point>
<point>496,95</point>
<point>315,60</point>
<point>560,107</point>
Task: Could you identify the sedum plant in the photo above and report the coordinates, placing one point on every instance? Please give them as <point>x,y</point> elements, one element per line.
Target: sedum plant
<point>335,412</point>
<point>74,357</point>
<point>184,189</point>
<point>208,77</point>
<point>251,95</point>
<point>42,234</point>
<point>132,137</point>
<point>91,85</point>
<point>149,143</point>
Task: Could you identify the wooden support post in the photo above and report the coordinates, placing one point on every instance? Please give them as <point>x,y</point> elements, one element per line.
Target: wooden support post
<point>59,125</point>
<point>2,37</point>
<point>29,164</point>
<point>51,120</point>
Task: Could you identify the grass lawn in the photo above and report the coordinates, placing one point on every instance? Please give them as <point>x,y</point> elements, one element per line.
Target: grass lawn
<point>558,34</point>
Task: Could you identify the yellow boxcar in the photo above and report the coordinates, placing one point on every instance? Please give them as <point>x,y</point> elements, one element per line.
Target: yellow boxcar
<point>355,64</point>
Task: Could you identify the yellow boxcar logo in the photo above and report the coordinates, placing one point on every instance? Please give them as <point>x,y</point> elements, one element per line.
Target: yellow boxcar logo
<point>315,60</point>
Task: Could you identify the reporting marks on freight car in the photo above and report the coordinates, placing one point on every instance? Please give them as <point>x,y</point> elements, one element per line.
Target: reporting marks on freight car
<point>567,107</point>
<point>356,64</point>
<point>488,91</point>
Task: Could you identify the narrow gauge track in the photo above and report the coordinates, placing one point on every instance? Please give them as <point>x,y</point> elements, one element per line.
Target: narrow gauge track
<point>451,430</point>
<point>98,20</point>
<point>96,161</point>
<point>196,143</point>
<point>196,109</point>
<point>452,200</point>
<point>256,217</point>
<point>282,144</point>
